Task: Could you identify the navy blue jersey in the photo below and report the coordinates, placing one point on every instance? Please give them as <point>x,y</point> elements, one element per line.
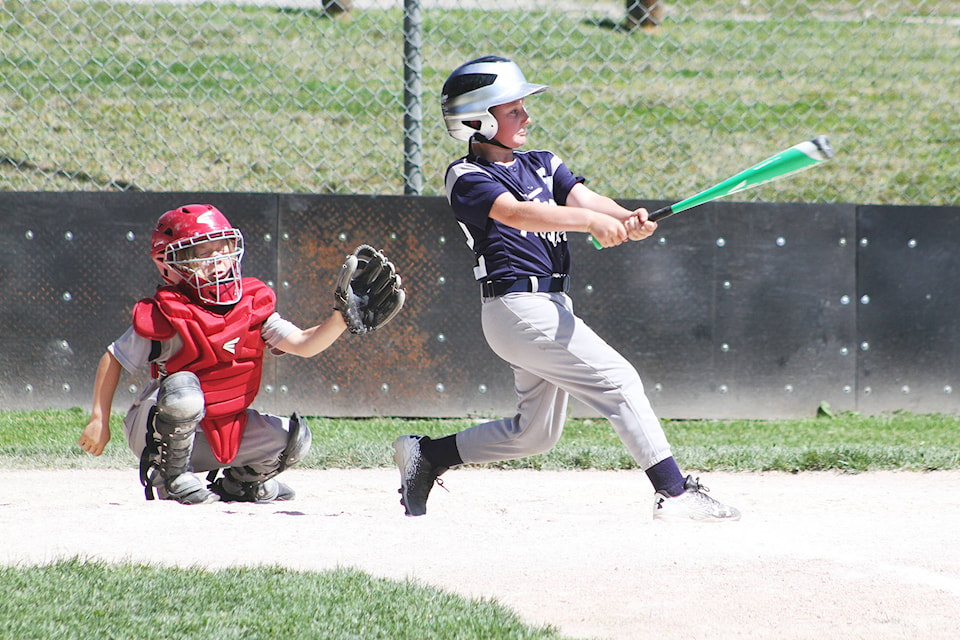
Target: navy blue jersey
<point>502,252</point>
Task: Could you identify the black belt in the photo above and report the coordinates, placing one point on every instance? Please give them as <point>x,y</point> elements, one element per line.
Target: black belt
<point>550,284</point>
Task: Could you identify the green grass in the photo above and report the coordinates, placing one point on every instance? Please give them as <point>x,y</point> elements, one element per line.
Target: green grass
<point>845,442</point>
<point>215,97</point>
<point>75,599</point>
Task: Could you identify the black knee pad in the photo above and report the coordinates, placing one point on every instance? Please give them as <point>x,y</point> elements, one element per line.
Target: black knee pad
<point>298,443</point>
<point>299,439</point>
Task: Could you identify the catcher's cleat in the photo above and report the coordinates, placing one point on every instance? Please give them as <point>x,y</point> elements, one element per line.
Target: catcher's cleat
<point>186,488</point>
<point>417,475</point>
<point>692,504</point>
<point>231,490</point>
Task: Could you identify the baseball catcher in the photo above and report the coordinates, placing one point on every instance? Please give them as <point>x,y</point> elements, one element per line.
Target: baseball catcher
<point>368,293</point>
<point>202,335</point>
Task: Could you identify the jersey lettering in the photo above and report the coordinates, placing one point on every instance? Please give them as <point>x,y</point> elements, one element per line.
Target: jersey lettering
<point>553,237</point>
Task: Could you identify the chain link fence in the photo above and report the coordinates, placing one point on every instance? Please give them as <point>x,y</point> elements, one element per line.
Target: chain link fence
<point>648,99</point>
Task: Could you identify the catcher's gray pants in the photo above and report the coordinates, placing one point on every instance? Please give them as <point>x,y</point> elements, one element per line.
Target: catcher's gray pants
<point>264,438</point>
<point>553,353</point>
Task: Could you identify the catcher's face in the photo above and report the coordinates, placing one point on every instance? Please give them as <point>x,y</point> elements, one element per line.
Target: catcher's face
<point>212,269</point>
<point>213,260</point>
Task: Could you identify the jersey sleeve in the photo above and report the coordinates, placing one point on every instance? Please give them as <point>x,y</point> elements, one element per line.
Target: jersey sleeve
<point>131,350</point>
<point>471,192</point>
<point>563,179</point>
<point>275,330</point>
<point>135,352</point>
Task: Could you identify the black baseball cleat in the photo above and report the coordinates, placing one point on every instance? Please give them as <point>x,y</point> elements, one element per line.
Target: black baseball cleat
<point>230,489</point>
<point>186,488</point>
<point>417,475</point>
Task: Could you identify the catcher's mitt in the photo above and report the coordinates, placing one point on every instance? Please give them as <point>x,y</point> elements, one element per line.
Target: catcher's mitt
<point>368,292</point>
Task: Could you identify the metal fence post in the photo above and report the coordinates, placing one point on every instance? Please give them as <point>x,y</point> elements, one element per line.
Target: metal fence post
<point>412,98</point>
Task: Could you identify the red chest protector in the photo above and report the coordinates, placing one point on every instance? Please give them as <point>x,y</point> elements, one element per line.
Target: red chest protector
<point>225,351</point>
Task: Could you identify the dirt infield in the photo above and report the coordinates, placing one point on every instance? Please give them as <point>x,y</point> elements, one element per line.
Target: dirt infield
<point>816,555</point>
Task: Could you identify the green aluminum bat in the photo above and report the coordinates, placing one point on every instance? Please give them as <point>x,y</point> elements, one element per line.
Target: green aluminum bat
<point>793,160</point>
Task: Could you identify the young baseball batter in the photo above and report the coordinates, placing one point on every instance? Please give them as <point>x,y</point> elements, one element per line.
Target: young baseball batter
<point>203,336</point>
<point>516,208</point>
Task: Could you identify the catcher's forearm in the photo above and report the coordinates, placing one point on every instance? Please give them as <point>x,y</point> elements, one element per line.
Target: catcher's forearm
<point>307,343</point>
<point>105,386</point>
<point>96,433</point>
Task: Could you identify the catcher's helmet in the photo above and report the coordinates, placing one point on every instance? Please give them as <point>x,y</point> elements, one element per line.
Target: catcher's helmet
<point>476,86</point>
<point>210,276</point>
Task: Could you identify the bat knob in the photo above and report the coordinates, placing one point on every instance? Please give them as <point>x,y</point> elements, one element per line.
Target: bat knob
<point>823,145</point>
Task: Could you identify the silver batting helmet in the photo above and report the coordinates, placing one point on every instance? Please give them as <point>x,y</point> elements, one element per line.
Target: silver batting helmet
<point>476,86</point>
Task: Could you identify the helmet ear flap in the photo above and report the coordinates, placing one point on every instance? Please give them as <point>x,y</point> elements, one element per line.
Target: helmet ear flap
<point>489,128</point>
<point>484,129</point>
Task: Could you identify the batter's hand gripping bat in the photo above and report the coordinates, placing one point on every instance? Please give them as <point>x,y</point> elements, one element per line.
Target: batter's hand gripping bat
<point>793,160</point>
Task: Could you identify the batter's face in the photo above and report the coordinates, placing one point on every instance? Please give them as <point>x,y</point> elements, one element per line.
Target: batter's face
<point>512,122</point>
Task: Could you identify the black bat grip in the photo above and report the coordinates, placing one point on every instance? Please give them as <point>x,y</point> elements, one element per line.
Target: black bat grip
<point>660,214</point>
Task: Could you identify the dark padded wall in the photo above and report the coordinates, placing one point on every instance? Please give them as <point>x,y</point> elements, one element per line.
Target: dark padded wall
<point>908,307</point>
<point>732,310</point>
<point>431,360</point>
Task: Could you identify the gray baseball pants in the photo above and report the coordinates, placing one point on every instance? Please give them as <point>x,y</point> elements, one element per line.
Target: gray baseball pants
<point>264,438</point>
<point>554,355</point>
